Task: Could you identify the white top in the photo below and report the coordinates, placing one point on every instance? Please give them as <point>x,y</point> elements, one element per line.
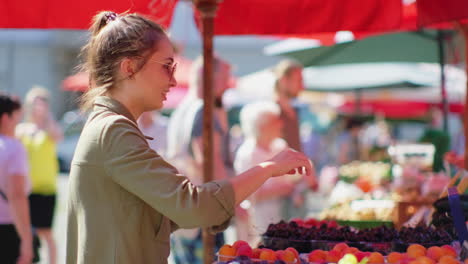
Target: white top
<point>248,155</point>
<point>158,131</point>
<point>13,161</point>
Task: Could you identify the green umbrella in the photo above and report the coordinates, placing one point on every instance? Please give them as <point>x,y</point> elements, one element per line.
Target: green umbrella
<point>412,46</point>
<point>419,46</point>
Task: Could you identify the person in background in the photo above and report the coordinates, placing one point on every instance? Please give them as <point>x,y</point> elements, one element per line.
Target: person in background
<point>349,142</point>
<point>261,125</point>
<point>154,125</point>
<point>16,240</point>
<point>288,85</point>
<point>40,133</point>
<point>185,147</point>
<point>124,199</point>
<point>434,134</point>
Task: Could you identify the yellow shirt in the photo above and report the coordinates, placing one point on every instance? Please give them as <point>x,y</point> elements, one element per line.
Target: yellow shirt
<point>42,162</point>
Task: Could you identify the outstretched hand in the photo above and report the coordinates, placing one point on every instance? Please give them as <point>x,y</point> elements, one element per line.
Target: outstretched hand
<point>290,161</point>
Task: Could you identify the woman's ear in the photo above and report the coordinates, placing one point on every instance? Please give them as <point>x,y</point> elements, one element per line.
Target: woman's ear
<point>127,68</point>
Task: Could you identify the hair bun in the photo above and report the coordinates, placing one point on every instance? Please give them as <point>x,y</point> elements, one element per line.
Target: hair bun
<point>110,16</point>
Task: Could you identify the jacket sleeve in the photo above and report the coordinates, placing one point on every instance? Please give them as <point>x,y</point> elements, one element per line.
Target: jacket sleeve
<point>131,163</point>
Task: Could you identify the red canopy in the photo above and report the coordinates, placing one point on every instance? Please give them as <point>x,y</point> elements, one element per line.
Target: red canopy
<point>396,109</point>
<point>54,14</point>
<point>436,11</point>
<point>278,17</point>
<point>234,17</point>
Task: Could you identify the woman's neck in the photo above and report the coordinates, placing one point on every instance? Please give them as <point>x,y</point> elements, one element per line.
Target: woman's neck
<point>134,109</point>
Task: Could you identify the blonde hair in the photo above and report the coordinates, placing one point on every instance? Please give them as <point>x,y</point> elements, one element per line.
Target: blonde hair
<point>252,116</point>
<point>284,69</point>
<point>35,92</point>
<point>114,37</point>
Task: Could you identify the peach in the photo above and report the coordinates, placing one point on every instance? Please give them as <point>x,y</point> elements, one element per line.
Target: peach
<point>226,252</point>
<point>425,260</point>
<point>435,253</point>
<point>340,247</point>
<point>375,258</point>
<point>416,250</point>
<point>239,243</point>
<point>267,254</point>
<point>286,255</point>
<point>394,257</point>
<point>448,260</point>
<point>466,261</point>
<point>360,255</point>
<point>334,256</point>
<point>318,256</point>
<point>449,251</point>
<point>350,250</point>
<point>244,250</point>
<point>256,252</point>
<point>293,250</point>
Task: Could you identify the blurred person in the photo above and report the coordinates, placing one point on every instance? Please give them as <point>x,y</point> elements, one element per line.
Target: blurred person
<point>16,239</point>
<point>154,125</point>
<point>349,142</point>
<point>261,125</point>
<point>288,85</point>
<point>185,149</point>
<point>434,134</point>
<point>124,199</point>
<point>40,133</point>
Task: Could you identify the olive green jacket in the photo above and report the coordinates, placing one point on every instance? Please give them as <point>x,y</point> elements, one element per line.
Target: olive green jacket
<point>125,200</point>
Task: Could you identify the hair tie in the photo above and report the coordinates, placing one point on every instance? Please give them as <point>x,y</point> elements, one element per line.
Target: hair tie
<point>111,16</point>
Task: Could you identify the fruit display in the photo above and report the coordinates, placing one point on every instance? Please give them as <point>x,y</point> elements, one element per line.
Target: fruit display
<point>341,253</point>
<point>415,254</point>
<point>381,239</point>
<point>347,212</point>
<point>241,253</point>
<point>371,173</point>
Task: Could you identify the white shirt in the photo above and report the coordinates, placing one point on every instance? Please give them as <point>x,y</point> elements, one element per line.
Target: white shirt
<point>248,155</point>
<point>13,161</point>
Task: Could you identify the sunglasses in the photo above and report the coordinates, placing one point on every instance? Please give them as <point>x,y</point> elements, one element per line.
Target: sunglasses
<point>170,67</point>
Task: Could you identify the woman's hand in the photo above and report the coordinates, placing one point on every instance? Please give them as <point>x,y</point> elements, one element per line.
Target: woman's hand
<point>289,161</point>
<point>26,253</point>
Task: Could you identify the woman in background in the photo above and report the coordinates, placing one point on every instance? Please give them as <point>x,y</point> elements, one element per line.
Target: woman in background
<point>40,134</point>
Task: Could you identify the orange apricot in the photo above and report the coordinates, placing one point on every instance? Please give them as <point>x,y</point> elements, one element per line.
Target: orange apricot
<point>435,253</point>
<point>449,251</point>
<point>394,257</point>
<point>416,250</point>
<point>226,253</point>
<point>375,258</point>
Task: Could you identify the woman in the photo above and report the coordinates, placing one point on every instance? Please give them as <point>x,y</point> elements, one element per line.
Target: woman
<point>39,134</point>
<point>16,240</point>
<point>124,199</point>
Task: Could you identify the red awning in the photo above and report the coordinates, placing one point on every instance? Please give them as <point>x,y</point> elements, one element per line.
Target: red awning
<point>280,17</point>
<point>60,14</point>
<point>436,11</point>
<point>396,109</point>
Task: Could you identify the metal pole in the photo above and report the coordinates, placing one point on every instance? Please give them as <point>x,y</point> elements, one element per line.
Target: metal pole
<point>443,88</point>
<point>465,117</point>
<point>207,9</point>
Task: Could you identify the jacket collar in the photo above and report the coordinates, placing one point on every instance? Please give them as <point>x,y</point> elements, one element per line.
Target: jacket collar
<point>113,105</point>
